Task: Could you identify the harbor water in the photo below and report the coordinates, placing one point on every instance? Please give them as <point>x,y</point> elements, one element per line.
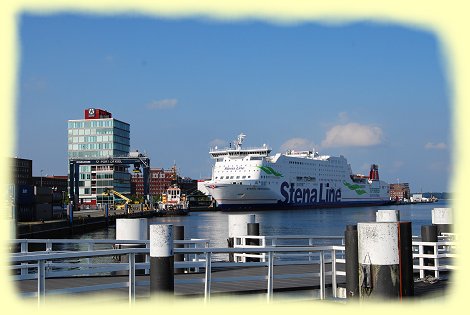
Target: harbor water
<point>213,225</point>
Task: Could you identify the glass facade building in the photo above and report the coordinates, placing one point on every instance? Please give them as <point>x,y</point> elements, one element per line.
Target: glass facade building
<point>97,137</point>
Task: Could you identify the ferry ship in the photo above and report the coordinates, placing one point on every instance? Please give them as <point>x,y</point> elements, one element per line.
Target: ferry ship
<point>252,178</point>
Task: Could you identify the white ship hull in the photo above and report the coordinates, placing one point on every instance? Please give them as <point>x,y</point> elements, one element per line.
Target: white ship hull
<point>251,178</point>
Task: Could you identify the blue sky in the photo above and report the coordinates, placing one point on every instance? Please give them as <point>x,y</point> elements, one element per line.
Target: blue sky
<point>376,93</point>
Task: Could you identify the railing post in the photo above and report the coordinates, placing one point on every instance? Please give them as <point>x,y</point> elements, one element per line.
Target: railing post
<point>270,275</point>
<point>310,243</point>
<point>421,260</point>
<point>333,272</point>
<point>131,278</point>
<point>41,282</point>
<point>147,259</point>
<point>208,277</point>
<point>24,249</point>
<point>436,261</point>
<point>322,275</point>
<point>90,248</point>
<point>48,246</point>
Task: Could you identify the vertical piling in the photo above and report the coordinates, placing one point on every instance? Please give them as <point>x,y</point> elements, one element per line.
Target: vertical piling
<point>252,229</point>
<point>131,229</point>
<point>70,213</point>
<point>378,260</point>
<point>442,218</point>
<point>106,212</point>
<point>179,235</point>
<point>406,259</point>
<point>428,234</point>
<point>237,226</point>
<point>162,277</point>
<point>387,216</point>
<point>352,265</point>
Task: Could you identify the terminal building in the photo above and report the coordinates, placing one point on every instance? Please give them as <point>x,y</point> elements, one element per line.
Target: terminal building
<point>99,135</point>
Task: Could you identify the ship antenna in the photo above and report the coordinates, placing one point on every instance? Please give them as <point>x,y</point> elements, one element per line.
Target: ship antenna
<point>240,139</point>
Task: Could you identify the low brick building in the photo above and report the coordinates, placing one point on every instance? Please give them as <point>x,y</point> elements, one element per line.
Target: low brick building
<point>399,191</point>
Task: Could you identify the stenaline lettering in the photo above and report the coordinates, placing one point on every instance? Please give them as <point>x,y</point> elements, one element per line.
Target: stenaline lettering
<point>324,194</point>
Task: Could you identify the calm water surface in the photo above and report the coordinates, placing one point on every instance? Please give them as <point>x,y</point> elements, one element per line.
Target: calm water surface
<point>213,225</point>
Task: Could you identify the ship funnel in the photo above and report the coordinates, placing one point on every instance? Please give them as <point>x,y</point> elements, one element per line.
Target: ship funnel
<point>374,172</point>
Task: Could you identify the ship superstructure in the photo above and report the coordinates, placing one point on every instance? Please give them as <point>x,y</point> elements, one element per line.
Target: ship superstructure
<point>252,177</point>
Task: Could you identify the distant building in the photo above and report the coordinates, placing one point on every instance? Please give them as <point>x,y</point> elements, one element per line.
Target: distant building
<point>160,180</point>
<point>35,198</point>
<point>22,171</point>
<point>99,135</point>
<point>56,183</point>
<point>399,192</point>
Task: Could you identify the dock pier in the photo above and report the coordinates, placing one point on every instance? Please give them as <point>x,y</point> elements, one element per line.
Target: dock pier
<point>298,266</point>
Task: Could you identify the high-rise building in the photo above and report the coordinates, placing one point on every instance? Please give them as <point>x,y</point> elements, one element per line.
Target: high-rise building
<point>99,135</point>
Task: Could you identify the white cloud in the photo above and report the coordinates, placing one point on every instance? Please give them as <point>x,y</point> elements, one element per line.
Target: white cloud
<point>352,135</point>
<point>435,146</point>
<point>163,104</point>
<point>297,144</point>
<point>217,142</point>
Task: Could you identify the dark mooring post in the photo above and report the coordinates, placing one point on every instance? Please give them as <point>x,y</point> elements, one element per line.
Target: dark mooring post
<point>179,235</point>
<point>252,229</point>
<point>352,264</point>
<point>162,278</point>
<point>428,234</point>
<point>406,259</point>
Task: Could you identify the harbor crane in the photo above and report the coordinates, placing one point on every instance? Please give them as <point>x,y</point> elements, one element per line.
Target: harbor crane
<point>108,192</point>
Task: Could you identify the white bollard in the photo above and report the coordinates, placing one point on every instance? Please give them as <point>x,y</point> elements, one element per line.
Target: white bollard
<point>161,259</point>
<point>132,229</point>
<point>387,216</point>
<point>238,226</point>
<point>443,218</point>
<point>378,258</point>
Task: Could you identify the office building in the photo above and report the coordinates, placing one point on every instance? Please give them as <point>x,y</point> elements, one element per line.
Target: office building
<point>99,135</point>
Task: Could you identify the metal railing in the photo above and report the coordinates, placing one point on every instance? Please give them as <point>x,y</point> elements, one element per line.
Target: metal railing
<point>86,265</point>
<point>56,262</point>
<point>284,241</point>
<point>441,257</point>
<point>47,265</point>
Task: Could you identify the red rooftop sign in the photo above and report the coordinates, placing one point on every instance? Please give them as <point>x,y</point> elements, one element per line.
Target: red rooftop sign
<point>95,113</point>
